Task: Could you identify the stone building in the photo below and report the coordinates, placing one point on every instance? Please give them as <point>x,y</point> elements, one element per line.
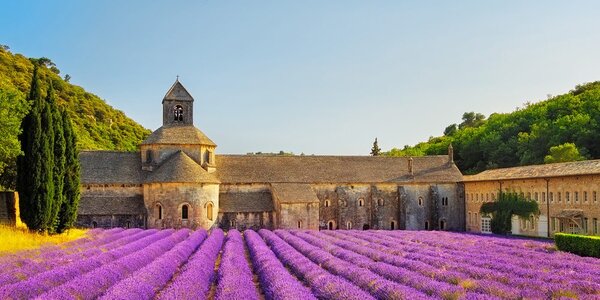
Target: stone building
<point>177,180</point>
<point>566,193</point>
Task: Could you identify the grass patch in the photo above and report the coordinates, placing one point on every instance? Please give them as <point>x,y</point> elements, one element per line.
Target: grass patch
<point>18,238</point>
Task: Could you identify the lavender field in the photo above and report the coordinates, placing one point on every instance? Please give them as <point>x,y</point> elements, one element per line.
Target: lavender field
<point>281,264</point>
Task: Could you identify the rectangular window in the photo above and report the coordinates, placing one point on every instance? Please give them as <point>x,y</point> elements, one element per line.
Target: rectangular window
<point>568,197</point>
<point>576,197</point>
<point>467,197</point>
<point>531,222</point>
<point>470,218</point>
<point>553,223</point>
<point>486,225</point>
<point>585,197</point>
<point>585,225</point>
<point>594,196</point>
<point>476,197</point>
<point>544,197</point>
<point>595,225</point>
<point>551,197</point>
<point>535,196</point>
<point>528,196</point>
<point>559,197</point>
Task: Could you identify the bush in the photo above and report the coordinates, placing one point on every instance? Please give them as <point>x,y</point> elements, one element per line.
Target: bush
<point>578,244</point>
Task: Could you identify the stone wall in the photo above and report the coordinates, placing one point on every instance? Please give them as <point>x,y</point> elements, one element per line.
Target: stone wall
<point>246,220</point>
<point>551,196</point>
<point>110,221</point>
<point>8,208</point>
<point>172,197</point>
<point>298,216</point>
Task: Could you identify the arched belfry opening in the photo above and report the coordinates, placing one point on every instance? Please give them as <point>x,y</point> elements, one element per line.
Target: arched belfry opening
<point>178,113</point>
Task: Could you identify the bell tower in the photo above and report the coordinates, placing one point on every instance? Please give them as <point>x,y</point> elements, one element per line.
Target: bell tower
<point>178,106</point>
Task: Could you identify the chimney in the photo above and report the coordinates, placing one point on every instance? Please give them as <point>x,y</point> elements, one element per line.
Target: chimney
<point>450,153</point>
<point>410,166</point>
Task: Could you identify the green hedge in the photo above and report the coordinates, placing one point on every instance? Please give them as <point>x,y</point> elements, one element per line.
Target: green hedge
<point>579,244</point>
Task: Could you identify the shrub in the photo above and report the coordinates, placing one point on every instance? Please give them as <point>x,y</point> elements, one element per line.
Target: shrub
<point>578,244</point>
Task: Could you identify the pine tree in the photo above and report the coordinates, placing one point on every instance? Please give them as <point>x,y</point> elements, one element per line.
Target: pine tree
<point>68,210</point>
<point>59,157</point>
<point>375,150</point>
<point>35,166</point>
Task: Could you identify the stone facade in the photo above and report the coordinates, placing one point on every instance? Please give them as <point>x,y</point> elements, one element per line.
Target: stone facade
<point>177,180</point>
<point>568,203</point>
<point>8,208</point>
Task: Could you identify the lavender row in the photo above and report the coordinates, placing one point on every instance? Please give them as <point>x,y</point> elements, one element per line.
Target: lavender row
<point>324,285</point>
<point>276,282</point>
<point>234,279</point>
<point>463,268</point>
<point>363,271</point>
<point>93,284</point>
<point>44,281</point>
<point>22,266</point>
<point>146,282</point>
<point>196,277</point>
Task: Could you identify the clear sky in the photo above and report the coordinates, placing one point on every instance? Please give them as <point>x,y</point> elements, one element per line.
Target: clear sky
<point>319,77</point>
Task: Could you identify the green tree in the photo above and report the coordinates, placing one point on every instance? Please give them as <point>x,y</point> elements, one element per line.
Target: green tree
<point>68,209</point>
<point>563,153</point>
<point>472,119</point>
<point>507,205</point>
<point>59,156</point>
<point>375,150</point>
<point>450,130</point>
<point>35,166</point>
<point>13,108</point>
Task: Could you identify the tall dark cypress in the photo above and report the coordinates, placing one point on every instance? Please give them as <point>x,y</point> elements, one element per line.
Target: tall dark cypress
<point>35,166</point>
<point>59,157</point>
<point>68,209</point>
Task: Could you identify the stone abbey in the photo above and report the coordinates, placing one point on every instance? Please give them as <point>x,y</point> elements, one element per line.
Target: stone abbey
<point>178,180</point>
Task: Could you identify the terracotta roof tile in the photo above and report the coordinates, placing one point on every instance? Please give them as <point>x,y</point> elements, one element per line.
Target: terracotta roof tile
<point>178,135</point>
<point>108,167</point>
<point>245,201</point>
<point>293,193</point>
<point>181,168</point>
<point>586,167</point>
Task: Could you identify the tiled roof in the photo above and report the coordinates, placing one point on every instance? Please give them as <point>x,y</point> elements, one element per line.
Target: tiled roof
<point>89,205</point>
<point>178,92</point>
<point>586,167</point>
<point>178,135</point>
<point>107,167</point>
<point>333,169</point>
<point>245,201</point>
<point>181,168</point>
<point>293,193</point>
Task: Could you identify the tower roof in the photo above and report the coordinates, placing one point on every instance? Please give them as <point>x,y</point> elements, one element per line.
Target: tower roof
<point>178,135</point>
<point>178,92</point>
<point>181,168</point>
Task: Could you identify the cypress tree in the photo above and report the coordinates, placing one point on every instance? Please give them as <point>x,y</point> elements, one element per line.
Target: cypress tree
<point>59,157</point>
<point>68,209</point>
<point>35,166</point>
<point>375,150</point>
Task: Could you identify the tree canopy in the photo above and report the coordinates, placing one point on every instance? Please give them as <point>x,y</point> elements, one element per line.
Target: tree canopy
<point>524,136</point>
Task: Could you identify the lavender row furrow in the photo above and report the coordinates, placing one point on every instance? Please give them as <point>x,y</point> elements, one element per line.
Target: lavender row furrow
<point>324,285</point>
<point>276,282</point>
<point>147,281</point>
<point>42,282</point>
<point>234,278</point>
<point>26,267</point>
<point>93,284</point>
<point>197,275</point>
<point>412,283</point>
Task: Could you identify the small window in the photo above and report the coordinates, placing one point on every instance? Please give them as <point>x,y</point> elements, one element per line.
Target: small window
<point>326,203</point>
<point>559,197</point>
<point>393,225</point>
<point>528,196</point>
<point>380,202</point>
<point>232,223</point>
<point>470,218</point>
<point>178,113</point>
<point>487,197</point>
<point>209,211</point>
<point>531,222</point>
<point>94,224</point>
<point>420,201</point>
<point>159,212</point>
<point>535,197</point>
<point>585,225</point>
<point>543,197</point>
<point>127,224</point>
<point>148,156</point>
<point>486,225</point>
<point>595,225</point>
<point>594,197</point>
<point>576,194</point>
<point>568,197</point>
<point>551,197</point>
<point>299,224</point>
<point>330,225</point>
<point>585,198</point>
<point>348,225</point>
<point>184,212</point>
<point>426,225</point>
<point>361,202</point>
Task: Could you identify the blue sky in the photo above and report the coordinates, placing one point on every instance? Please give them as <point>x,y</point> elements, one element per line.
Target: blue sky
<point>319,77</point>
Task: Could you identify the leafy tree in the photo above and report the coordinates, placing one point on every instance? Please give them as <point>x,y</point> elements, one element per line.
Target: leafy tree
<point>563,153</point>
<point>35,166</point>
<point>375,150</point>
<point>472,119</point>
<point>13,108</point>
<point>67,78</point>
<point>450,130</point>
<point>71,193</point>
<point>507,205</point>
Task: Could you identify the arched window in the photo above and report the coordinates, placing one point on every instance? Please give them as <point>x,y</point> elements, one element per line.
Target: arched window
<point>94,224</point>
<point>380,202</point>
<point>426,225</point>
<point>184,212</point>
<point>361,202</point>
<point>127,224</point>
<point>331,225</point>
<point>232,223</point>
<point>348,225</point>
<point>393,225</point>
<point>299,224</point>
<point>209,211</point>
<point>442,224</point>
<point>326,203</point>
<point>159,214</point>
<point>178,113</point>
<point>149,156</point>
<point>420,201</point>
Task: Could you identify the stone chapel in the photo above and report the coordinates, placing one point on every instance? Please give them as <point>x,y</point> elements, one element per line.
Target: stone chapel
<point>176,179</point>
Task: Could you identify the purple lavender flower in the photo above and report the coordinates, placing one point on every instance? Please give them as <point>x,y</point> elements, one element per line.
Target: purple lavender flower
<point>234,279</point>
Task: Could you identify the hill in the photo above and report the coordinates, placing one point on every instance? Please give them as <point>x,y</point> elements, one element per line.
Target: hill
<point>98,125</point>
<point>561,128</point>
